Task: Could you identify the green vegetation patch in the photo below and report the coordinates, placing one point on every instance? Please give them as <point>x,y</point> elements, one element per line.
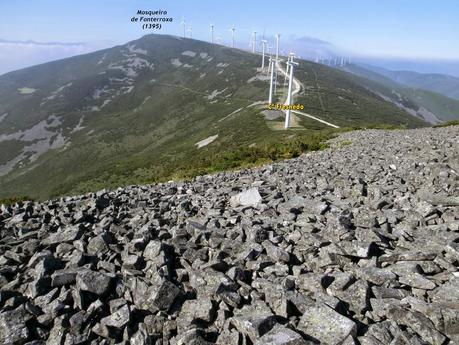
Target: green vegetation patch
<point>447,124</point>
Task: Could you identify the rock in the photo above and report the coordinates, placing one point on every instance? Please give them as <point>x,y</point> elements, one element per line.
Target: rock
<point>250,197</point>
<point>117,319</point>
<point>357,296</point>
<point>38,287</point>
<point>191,337</point>
<point>448,293</point>
<point>228,292</point>
<point>275,253</point>
<point>141,337</point>
<point>68,234</point>
<point>254,321</point>
<point>57,333</point>
<point>100,330</point>
<point>417,281</point>
<point>326,325</point>
<point>152,250</point>
<point>154,325</point>
<point>357,248</point>
<point>96,282</point>
<point>13,328</point>
<point>376,275</point>
<point>281,335</point>
<point>198,310</point>
<point>162,296</point>
<point>384,292</point>
<point>229,337</point>
<point>408,256</point>
<point>97,245</point>
<point>63,277</point>
<point>102,202</point>
<point>418,322</point>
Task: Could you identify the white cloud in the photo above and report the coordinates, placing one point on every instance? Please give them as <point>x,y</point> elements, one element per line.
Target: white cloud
<point>20,54</point>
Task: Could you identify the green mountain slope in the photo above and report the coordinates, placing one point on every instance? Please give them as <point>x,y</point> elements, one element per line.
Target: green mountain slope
<point>157,108</point>
<point>433,107</point>
<point>345,99</point>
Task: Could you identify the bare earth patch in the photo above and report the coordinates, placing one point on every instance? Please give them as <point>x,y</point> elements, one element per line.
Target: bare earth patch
<point>206,141</point>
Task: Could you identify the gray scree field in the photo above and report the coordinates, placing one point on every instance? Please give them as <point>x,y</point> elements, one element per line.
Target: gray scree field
<point>356,244</point>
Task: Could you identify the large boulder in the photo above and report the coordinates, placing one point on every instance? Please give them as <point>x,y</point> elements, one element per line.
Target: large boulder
<point>249,197</point>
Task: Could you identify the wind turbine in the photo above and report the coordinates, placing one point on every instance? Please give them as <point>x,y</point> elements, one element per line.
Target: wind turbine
<point>190,30</point>
<point>289,94</point>
<point>232,35</point>
<point>254,42</point>
<point>263,44</point>
<point>184,27</point>
<point>212,33</point>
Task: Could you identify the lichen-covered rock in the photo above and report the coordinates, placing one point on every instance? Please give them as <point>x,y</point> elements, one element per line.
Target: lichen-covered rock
<point>13,328</point>
<point>281,335</point>
<point>326,325</point>
<point>98,283</point>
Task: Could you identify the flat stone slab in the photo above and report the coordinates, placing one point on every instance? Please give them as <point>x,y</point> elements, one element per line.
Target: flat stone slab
<point>326,325</point>
<point>250,197</point>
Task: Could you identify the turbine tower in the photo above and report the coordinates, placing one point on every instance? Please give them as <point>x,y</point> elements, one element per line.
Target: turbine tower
<point>184,27</point>
<point>289,94</point>
<point>271,63</point>
<point>277,46</point>
<point>212,33</point>
<point>190,30</point>
<point>254,42</point>
<point>289,59</point>
<point>277,59</point>
<point>232,35</point>
<point>263,44</point>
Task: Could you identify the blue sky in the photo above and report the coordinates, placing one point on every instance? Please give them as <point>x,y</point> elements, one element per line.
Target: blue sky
<point>408,29</point>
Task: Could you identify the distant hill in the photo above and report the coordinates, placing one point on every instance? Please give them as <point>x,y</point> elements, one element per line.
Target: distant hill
<point>432,106</point>
<point>444,84</point>
<point>157,108</point>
